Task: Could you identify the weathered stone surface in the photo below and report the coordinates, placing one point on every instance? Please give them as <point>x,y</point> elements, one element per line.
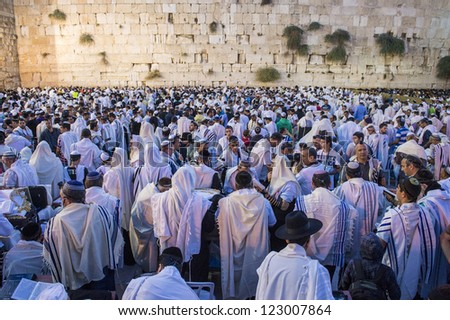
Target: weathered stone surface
<point>176,36</point>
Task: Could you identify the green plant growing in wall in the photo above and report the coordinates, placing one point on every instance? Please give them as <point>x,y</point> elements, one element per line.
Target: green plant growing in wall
<point>338,38</point>
<point>390,45</point>
<point>104,58</point>
<point>45,54</point>
<point>153,75</point>
<point>213,27</point>
<point>337,54</point>
<point>268,74</point>
<point>86,39</point>
<point>443,68</point>
<point>294,36</point>
<point>57,15</point>
<point>314,26</point>
<point>266,2</point>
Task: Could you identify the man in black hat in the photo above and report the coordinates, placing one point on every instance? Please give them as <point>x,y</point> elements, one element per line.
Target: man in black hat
<point>307,279</point>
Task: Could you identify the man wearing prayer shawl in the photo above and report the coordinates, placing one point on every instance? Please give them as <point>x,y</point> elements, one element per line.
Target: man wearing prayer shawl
<point>65,141</point>
<point>90,153</point>
<point>290,274</point>
<point>80,243</point>
<point>26,255</point>
<point>367,197</point>
<point>437,201</point>
<point>178,216</point>
<point>440,154</point>
<point>407,234</point>
<point>334,243</point>
<point>281,193</point>
<point>229,184</point>
<point>142,237</point>
<point>166,285</point>
<point>75,170</point>
<point>48,167</point>
<point>19,173</point>
<point>244,218</point>
<point>205,176</point>
<point>118,182</point>
<point>152,170</point>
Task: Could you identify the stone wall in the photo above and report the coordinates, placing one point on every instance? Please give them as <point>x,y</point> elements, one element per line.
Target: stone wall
<point>9,61</point>
<point>135,37</point>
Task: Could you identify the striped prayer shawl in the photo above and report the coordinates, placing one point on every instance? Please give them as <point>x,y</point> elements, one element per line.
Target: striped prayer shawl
<point>68,252</point>
<point>397,250</point>
<point>441,158</point>
<point>342,224</point>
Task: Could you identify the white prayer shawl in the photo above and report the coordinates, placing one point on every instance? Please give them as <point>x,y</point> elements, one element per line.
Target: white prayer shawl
<point>333,243</point>
<point>152,170</point>
<point>291,275</point>
<point>422,133</point>
<point>383,150</point>
<point>345,132</point>
<point>183,125</point>
<point>120,136</point>
<point>413,148</point>
<point>166,285</point>
<point>147,134</point>
<point>40,128</point>
<point>90,153</point>
<point>142,238</point>
<point>260,156</point>
<point>244,242</point>
<point>281,175</point>
<point>229,184</point>
<point>365,197</point>
<point>17,142</point>
<point>190,229</point>
<point>168,207</point>
<point>24,257</point>
<point>26,174</point>
<point>98,196</point>
<point>373,140</point>
<point>438,204</point>
<point>118,181</point>
<point>79,243</point>
<point>68,139</point>
<point>136,151</point>
<point>203,176</point>
<point>411,245</point>
<point>78,126</point>
<point>445,184</point>
<point>320,125</point>
<point>218,129</point>
<point>80,172</point>
<point>48,167</point>
<point>441,156</point>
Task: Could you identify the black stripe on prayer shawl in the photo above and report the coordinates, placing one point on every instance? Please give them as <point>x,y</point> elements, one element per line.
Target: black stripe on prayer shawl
<point>300,203</point>
<point>426,233</point>
<point>54,256</point>
<point>136,174</point>
<point>106,224</point>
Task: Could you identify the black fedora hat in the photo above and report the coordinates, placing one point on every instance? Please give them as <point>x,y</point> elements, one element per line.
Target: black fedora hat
<point>297,226</point>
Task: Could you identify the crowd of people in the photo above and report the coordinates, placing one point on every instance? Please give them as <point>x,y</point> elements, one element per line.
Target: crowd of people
<point>293,193</point>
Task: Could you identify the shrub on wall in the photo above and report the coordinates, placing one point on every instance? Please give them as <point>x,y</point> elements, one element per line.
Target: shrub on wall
<point>266,2</point>
<point>213,27</point>
<point>57,15</point>
<point>86,39</point>
<point>443,68</point>
<point>314,26</point>
<point>104,57</point>
<point>337,54</point>
<point>268,74</point>
<point>338,38</point>
<point>390,45</point>
<point>153,75</point>
<point>294,39</point>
